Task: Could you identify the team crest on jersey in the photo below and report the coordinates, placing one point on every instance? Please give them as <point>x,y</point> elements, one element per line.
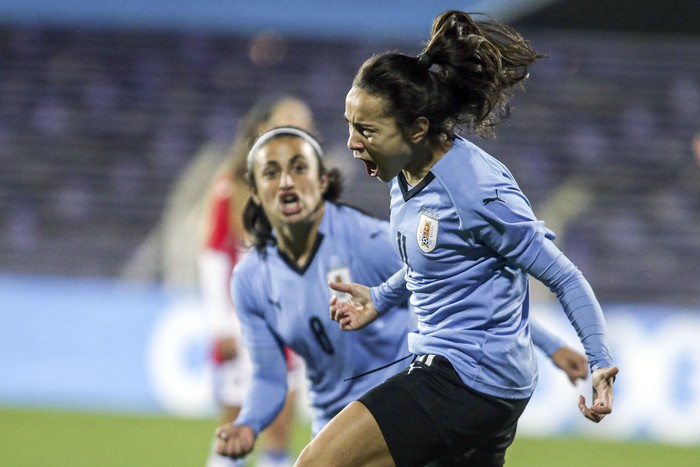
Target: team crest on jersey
<point>427,232</point>
<point>340,274</point>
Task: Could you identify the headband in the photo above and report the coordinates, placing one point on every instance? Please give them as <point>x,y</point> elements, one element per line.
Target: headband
<point>282,131</point>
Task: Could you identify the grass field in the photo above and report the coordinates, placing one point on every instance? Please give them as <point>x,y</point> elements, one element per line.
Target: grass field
<point>35,438</point>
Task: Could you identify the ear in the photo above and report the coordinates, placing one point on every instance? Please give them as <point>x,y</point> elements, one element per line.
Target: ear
<point>324,183</point>
<point>419,129</point>
<point>254,196</point>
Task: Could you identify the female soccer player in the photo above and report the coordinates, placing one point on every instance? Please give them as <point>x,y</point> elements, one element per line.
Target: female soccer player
<point>303,239</point>
<point>224,244</point>
<point>469,241</point>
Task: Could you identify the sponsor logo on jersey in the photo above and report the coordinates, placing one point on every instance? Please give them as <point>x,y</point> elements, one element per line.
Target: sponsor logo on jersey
<point>426,234</point>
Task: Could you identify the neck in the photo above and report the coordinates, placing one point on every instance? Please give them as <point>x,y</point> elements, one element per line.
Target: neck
<point>296,241</point>
<point>420,165</point>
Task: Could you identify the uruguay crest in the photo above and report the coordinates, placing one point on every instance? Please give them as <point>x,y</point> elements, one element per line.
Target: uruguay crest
<point>340,274</point>
<point>426,234</point>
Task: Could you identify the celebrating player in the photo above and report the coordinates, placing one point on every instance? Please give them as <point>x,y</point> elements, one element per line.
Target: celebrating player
<point>469,241</point>
<point>303,239</point>
<point>224,244</point>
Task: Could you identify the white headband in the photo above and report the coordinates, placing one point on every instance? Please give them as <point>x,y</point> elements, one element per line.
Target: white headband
<point>281,131</point>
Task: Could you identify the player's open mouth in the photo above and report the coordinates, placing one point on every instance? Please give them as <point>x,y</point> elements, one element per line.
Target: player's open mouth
<point>371,168</point>
<point>290,204</point>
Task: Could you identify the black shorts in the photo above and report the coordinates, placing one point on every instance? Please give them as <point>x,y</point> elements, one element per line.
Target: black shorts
<point>429,417</point>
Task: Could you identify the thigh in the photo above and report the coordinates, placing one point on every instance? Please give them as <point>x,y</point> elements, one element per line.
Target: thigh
<point>493,453</point>
<point>352,438</point>
<point>490,454</point>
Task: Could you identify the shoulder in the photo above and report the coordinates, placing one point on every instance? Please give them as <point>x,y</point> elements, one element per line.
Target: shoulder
<point>249,268</point>
<point>468,174</point>
<point>353,220</point>
<point>470,165</point>
<point>365,237</point>
<point>476,183</point>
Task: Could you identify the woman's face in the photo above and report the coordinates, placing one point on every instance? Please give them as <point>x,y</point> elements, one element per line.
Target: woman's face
<point>287,181</point>
<point>375,137</point>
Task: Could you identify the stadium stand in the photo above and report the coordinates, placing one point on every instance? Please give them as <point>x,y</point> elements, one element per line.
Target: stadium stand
<point>97,127</point>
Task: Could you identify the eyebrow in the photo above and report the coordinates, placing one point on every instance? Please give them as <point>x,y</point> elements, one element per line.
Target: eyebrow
<point>360,124</point>
<point>292,160</point>
<point>296,158</point>
<point>348,120</point>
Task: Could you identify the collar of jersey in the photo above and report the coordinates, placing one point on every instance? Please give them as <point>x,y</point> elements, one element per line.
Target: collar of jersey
<point>292,265</point>
<point>403,184</point>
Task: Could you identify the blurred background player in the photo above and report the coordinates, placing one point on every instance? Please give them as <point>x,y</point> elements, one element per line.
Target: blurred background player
<point>224,244</point>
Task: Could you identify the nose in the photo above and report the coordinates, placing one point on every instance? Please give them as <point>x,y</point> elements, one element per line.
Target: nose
<point>354,143</point>
<point>286,180</point>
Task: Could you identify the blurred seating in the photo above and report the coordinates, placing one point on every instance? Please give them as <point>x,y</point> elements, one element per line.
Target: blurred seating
<point>96,127</point>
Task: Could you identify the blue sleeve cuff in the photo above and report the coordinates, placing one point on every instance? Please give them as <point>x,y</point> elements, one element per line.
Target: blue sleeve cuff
<point>390,293</point>
<point>580,304</point>
<point>268,389</point>
<point>545,340</point>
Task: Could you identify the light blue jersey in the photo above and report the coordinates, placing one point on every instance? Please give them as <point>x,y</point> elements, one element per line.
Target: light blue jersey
<point>279,304</point>
<point>468,239</point>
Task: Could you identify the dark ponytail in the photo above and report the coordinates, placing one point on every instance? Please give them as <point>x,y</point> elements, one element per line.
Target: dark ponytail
<point>463,78</point>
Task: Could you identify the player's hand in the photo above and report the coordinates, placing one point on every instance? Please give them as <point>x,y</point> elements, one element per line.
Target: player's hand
<point>571,362</point>
<point>234,440</point>
<point>602,380</point>
<point>358,312</point>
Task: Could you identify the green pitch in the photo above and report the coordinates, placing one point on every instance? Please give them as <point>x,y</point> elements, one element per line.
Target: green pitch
<point>35,438</point>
